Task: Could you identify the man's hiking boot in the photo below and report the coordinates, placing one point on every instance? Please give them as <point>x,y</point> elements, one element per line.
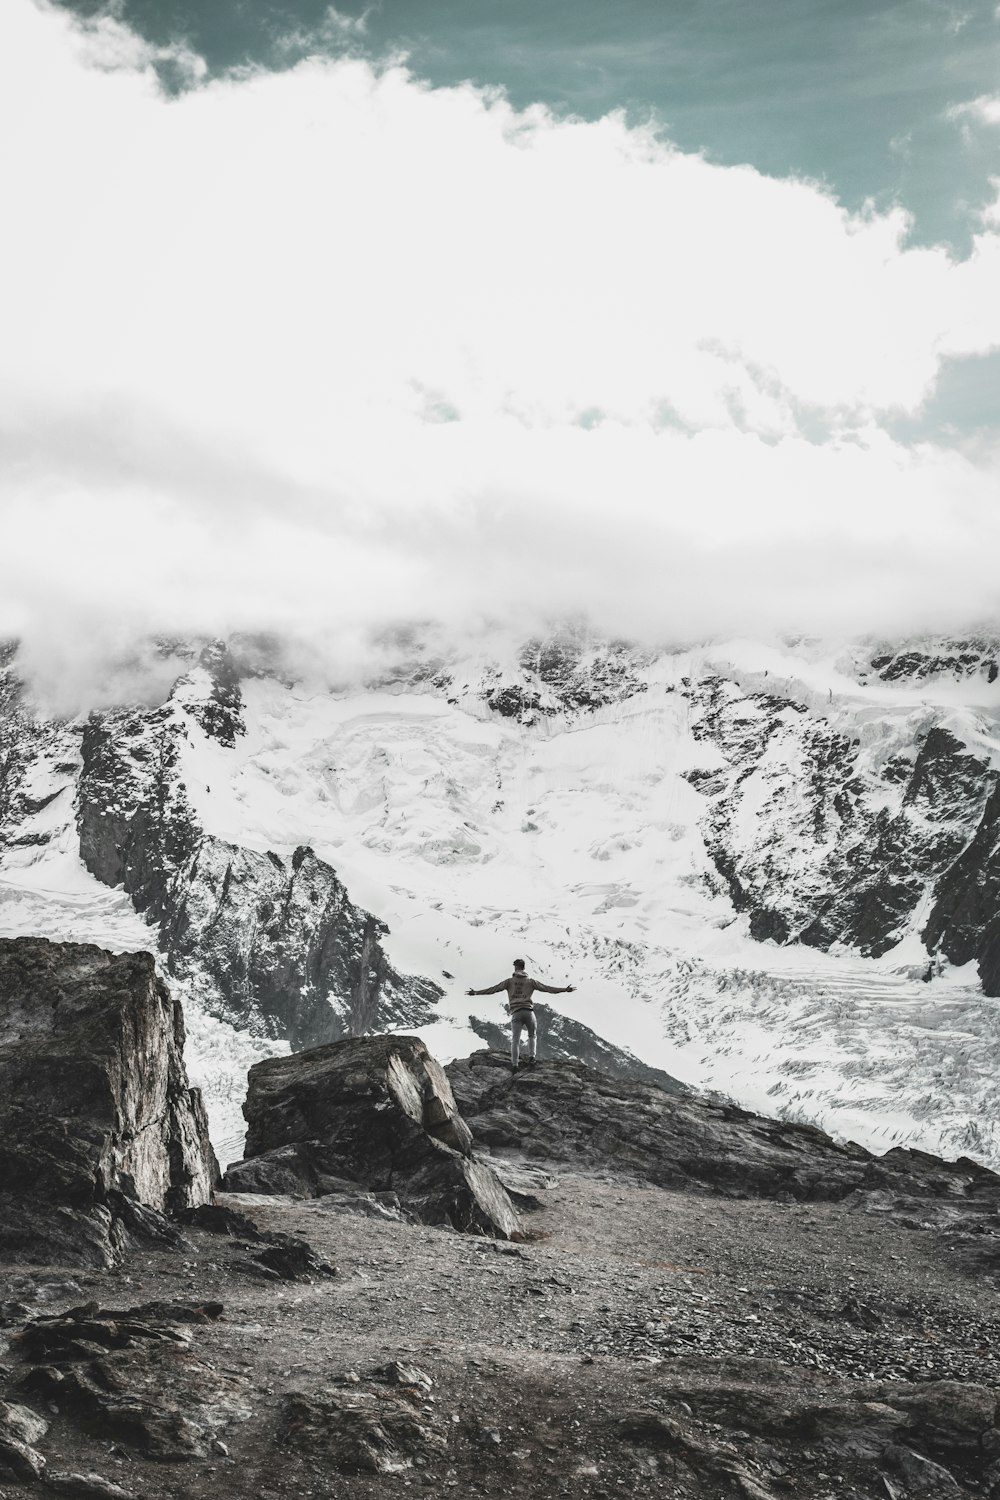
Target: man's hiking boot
<point>530,1063</point>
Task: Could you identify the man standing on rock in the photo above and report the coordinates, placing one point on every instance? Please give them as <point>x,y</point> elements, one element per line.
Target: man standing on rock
<point>520,989</point>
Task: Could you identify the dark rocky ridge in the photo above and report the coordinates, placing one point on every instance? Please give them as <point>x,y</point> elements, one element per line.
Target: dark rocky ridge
<point>379,1112</point>
<point>569,1115</point>
<point>286,951</point>
<point>563,1039</point>
<point>978,656</point>
<point>220,713</point>
<point>572,672</point>
<point>97,1122</point>
<point>23,739</point>
<point>837,858</point>
<point>965,920</point>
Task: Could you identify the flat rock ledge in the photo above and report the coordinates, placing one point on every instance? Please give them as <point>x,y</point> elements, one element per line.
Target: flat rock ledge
<point>100,1132</point>
<point>373,1112</point>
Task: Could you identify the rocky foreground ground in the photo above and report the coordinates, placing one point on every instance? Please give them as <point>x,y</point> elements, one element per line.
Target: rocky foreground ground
<point>553,1283</point>
<point>639,1340</point>
<point>647,1341</point>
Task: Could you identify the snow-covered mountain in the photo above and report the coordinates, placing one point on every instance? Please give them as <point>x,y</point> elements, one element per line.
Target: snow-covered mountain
<point>770,870</point>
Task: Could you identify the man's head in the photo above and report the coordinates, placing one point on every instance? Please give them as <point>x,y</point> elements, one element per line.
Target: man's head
<point>519,965</point>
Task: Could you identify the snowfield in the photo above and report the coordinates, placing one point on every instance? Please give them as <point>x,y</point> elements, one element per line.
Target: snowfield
<point>577,841</point>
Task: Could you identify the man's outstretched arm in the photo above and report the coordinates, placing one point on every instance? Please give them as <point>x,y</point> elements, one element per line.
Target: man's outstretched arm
<point>555,989</point>
<point>494,989</point>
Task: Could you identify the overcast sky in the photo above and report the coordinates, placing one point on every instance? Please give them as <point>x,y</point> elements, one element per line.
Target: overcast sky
<point>312,335</point>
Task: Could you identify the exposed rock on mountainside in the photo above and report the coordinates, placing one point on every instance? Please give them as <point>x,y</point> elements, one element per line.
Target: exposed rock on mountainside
<point>285,951</point>
<point>379,1112</point>
<point>219,711</point>
<point>572,672</point>
<point>25,740</point>
<point>567,1113</point>
<point>953,658</point>
<point>97,1122</point>
<point>843,849</point>
<point>965,920</point>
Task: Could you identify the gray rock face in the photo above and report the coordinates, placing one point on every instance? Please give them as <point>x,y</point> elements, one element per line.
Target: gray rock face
<point>97,1122</point>
<point>132,1375</point>
<point>24,740</point>
<point>571,672</point>
<point>564,1112</point>
<point>845,856</point>
<point>381,1425</point>
<point>378,1111</point>
<point>965,920</point>
<point>840,853</point>
<point>220,710</point>
<point>876,1426</point>
<point>977,656</point>
<point>286,952</point>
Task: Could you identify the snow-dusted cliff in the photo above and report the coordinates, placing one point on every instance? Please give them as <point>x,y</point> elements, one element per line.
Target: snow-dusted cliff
<point>769,870</point>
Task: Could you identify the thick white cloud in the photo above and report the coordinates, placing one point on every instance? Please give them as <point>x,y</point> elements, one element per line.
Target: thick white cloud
<point>327,347</point>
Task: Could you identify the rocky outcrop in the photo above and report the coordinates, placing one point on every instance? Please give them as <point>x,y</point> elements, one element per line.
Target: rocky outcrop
<point>290,954</point>
<point>282,949</point>
<point>846,843</point>
<point>561,1038</point>
<point>212,695</point>
<point>376,1111</point>
<point>964,922</point>
<point>566,1113</point>
<point>272,1257</point>
<point>384,1424</point>
<point>131,1375</point>
<point>723,1426</point>
<point>35,757</point>
<point>818,842</point>
<point>97,1122</point>
<point>976,656</point>
<point>572,672</point>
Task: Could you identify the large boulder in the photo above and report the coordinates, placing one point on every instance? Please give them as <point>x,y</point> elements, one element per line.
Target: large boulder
<point>98,1124</point>
<point>374,1110</point>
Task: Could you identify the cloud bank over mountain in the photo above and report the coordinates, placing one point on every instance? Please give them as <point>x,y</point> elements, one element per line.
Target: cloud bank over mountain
<point>329,348</point>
